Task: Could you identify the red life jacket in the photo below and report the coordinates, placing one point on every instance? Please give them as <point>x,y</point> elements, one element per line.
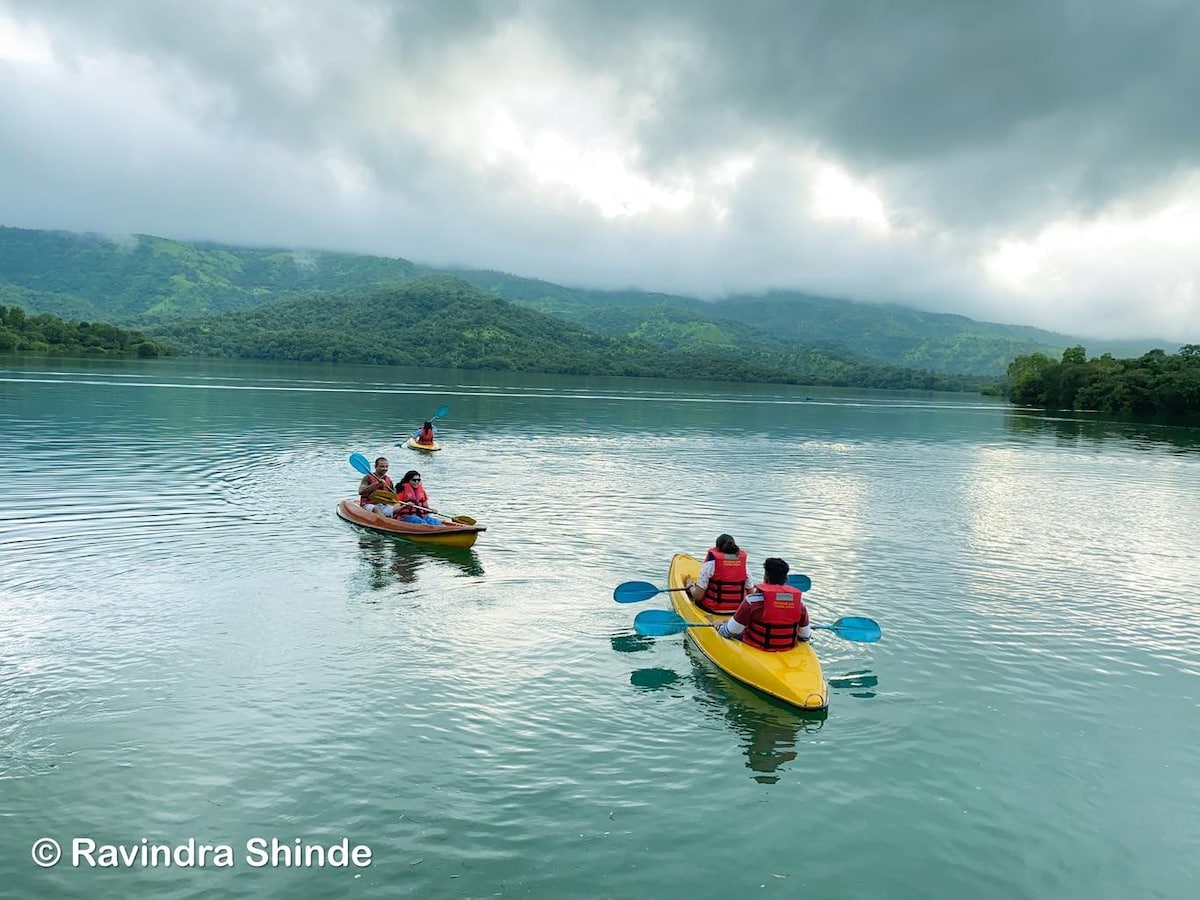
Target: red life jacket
<point>408,495</point>
<point>426,436</point>
<point>783,614</point>
<point>385,485</point>
<point>727,588</point>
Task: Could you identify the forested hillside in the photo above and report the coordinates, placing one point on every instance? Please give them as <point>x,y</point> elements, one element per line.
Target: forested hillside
<point>44,333</point>
<point>443,321</point>
<point>1157,384</point>
<point>893,334</point>
<point>140,279</point>
<point>150,283</point>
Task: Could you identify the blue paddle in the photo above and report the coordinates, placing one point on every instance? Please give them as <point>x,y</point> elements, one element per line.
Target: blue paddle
<point>636,591</point>
<point>662,622</point>
<point>361,463</point>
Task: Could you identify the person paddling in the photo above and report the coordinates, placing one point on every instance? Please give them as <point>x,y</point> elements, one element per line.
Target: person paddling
<point>426,433</point>
<point>773,617</point>
<point>376,481</point>
<point>723,580</point>
<point>412,502</point>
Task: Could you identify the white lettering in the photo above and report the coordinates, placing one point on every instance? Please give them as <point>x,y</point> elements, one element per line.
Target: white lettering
<point>256,856</point>
<point>295,853</point>
<point>144,855</point>
<point>83,848</point>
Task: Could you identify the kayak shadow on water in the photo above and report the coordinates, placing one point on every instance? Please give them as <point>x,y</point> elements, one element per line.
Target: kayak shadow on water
<point>631,643</point>
<point>860,684</point>
<point>768,728</point>
<point>391,560</point>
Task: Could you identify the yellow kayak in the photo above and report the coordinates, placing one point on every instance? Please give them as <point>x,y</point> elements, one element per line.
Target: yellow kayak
<point>793,676</point>
<point>413,444</point>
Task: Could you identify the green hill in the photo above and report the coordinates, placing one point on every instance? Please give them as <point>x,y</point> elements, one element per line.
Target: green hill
<point>150,282</point>
<point>141,278</point>
<point>443,321</point>
<point>888,333</point>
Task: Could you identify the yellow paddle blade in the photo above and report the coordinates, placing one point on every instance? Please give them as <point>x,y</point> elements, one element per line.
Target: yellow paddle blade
<point>383,497</point>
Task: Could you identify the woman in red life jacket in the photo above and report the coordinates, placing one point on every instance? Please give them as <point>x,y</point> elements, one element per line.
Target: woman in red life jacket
<point>773,617</point>
<point>723,582</point>
<point>426,433</point>
<point>376,481</point>
<point>412,503</point>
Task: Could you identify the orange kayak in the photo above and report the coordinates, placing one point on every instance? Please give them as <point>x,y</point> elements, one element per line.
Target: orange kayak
<point>450,534</point>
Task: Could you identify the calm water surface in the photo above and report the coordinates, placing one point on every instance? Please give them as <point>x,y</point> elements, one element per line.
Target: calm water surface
<point>192,645</point>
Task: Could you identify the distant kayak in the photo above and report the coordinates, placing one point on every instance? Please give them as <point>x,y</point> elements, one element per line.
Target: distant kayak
<point>449,534</point>
<point>412,444</point>
<point>793,676</point>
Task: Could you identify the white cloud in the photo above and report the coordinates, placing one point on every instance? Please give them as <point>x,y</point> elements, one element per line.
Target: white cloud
<point>696,147</point>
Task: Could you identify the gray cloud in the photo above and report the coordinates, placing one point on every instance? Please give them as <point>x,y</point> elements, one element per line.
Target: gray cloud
<point>359,125</point>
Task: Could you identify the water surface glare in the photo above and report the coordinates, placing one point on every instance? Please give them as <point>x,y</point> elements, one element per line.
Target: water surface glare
<point>192,645</point>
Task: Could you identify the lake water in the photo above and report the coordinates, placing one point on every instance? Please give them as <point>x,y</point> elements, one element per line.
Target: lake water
<point>193,646</point>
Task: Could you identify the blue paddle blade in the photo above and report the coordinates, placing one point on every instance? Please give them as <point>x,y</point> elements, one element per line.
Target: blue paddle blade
<point>658,623</point>
<point>801,583</point>
<point>360,463</point>
<point>855,628</point>
<point>634,591</point>
<point>442,412</point>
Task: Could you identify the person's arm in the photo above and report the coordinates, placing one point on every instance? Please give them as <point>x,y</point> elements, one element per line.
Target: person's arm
<point>803,629</point>
<point>366,487</point>
<point>696,589</point>
<point>734,626</point>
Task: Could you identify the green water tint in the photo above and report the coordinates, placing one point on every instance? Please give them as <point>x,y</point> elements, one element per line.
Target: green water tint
<point>206,651</point>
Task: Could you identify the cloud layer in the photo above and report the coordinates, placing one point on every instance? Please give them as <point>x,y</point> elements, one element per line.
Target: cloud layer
<point>1029,162</point>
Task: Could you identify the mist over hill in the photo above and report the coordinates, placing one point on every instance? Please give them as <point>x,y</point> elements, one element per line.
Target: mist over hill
<point>169,288</point>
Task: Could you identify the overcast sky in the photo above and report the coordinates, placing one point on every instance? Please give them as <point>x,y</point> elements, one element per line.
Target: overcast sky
<point>1026,162</point>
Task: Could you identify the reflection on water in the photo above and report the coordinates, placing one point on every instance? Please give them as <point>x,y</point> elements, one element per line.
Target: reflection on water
<point>769,729</point>
<point>392,561</point>
<point>653,679</point>
<point>1076,426</point>
<point>860,683</point>
<point>631,643</point>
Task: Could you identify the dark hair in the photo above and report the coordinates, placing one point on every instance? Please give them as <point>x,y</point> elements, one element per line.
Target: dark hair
<point>776,570</point>
<point>427,425</point>
<point>726,544</point>
<point>380,459</point>
<point>408,476</point>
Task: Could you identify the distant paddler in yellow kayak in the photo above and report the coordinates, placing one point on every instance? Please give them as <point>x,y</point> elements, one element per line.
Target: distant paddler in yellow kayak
<point>425,437</point>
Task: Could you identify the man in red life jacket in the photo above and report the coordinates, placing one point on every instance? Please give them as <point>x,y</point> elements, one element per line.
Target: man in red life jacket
<point>376,481</point>
<point>723,582</point>
<point>773,617</point>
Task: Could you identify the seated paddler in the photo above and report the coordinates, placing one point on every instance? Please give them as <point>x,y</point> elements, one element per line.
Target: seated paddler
<point>412,502</point>
<point>724,581</point>
<point>773,617</point>
<point>426,433</point>
<point>376,481</point>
